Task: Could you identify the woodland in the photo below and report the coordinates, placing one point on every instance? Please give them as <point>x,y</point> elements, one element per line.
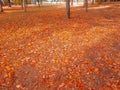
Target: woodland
<point>60,47</point>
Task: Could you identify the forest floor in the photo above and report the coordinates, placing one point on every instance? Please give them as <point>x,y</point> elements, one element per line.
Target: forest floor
<point>42,50</point>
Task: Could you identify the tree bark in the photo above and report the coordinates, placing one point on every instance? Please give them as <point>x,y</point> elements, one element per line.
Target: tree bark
<point>38,3</point>
<point>1,6</point>
<point>9,3</point>
<point>77,1</point>
<point>86,5</point>
<point>24,5</point>
<point>68,9</point>
<point>93,1</point>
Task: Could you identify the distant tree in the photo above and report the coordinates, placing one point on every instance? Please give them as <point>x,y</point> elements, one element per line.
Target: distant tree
<point>71,2</point>
<point>1,5</point>
<point>77,1</point>
<point>41,2</point>
<point>68,8</point>
<point>93,1</point>
<point>9,3</point>
<point>86,5</point>
<point>24,5</point>
<point>38,2</point>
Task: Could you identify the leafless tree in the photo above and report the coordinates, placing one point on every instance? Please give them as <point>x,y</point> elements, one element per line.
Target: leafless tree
<point>68,8</point>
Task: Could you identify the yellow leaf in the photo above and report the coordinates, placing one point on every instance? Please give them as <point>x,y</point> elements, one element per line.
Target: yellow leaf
<point>18,86</point>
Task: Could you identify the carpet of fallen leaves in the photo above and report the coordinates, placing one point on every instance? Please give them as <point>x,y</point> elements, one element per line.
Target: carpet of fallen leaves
<point>42,50</point>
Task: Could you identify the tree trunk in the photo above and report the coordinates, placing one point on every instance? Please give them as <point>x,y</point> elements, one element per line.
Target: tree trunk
<point>86,5</point>
<point>71,2</point>
<point>77,1</point>
<point>38,3</point>
<point>9,3</point>
<point>68,8</point>
<point>24,5</point>
<point>1,6</point>
<point>93,1</point>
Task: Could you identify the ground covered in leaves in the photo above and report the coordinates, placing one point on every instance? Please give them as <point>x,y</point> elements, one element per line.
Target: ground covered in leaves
<point>42,50</point>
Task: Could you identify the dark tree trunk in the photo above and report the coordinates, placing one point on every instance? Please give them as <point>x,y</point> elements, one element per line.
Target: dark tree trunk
<point>22,4</point>
<point>68,8</point>
<point>86,5</point>
<point>38,3</point>
<point>1,6</point>
<point>9,3</point>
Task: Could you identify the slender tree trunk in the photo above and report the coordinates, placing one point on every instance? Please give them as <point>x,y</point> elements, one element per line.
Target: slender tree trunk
<point>77,1</point>
<point>9,3</point>
<point>1,6</point>
<point>86,5</point>
<point>93,1</point>
<point>68,8</point>
<point>71,2</point>
<point>24,5</point>
<point>38,3</point>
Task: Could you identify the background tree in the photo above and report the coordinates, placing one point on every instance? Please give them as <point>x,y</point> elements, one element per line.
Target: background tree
<point>38,1</point>
<point>9,3</point>
<point>68,8</point>
<point>86,5</point>
<point>71,2</point>
<point>41,2</point>
<point>1,6</point>
<point>24,5</point>
<point>93,1</point>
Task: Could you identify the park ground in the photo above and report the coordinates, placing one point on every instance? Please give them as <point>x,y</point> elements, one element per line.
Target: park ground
<point>42,50</point>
